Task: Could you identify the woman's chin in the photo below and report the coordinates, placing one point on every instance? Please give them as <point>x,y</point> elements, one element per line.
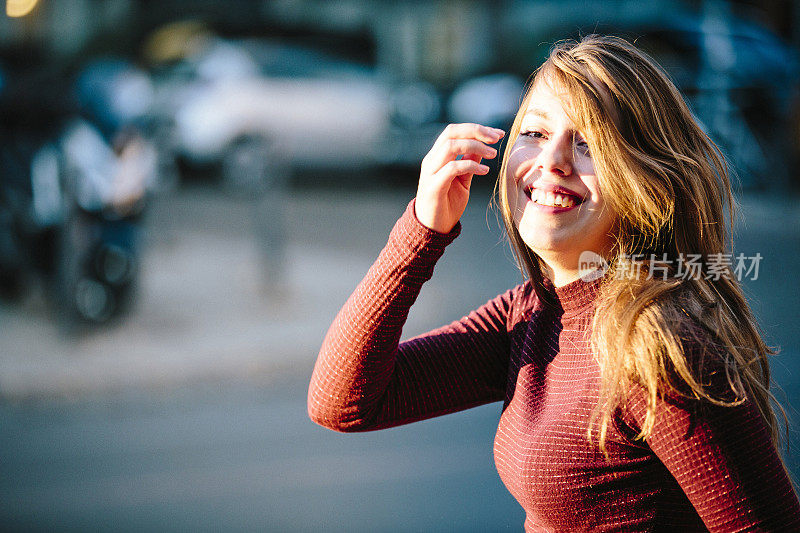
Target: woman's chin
<point>543,244</point>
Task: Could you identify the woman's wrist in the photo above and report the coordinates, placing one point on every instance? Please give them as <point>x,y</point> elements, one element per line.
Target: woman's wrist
<point>452,232</point>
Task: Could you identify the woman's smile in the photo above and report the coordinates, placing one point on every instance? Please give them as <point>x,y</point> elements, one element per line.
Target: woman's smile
<point>553,198</point>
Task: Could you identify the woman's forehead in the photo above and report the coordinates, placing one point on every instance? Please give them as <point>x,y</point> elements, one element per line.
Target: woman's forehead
<point>585,100</point>
<point>548,102</point>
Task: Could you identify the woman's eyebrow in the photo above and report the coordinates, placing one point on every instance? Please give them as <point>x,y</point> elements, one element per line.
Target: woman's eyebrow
<point>538,113</point>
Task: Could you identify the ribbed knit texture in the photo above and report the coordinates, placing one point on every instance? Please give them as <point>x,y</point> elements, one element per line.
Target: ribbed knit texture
<point>709,467</point>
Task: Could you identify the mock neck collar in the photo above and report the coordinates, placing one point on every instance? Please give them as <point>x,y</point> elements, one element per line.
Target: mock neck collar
<point>575,295</point>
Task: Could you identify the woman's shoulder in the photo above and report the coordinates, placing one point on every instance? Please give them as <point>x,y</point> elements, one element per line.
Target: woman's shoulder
<point>678,329</point>
<point>676,311</point>
<point>525,303</point>
<point>514,305</point>
<point>706,360</point>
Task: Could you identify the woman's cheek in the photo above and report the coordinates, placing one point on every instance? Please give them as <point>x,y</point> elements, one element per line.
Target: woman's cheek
<point>520,160</point>
<point>512,192</point>
<point>594,189</point>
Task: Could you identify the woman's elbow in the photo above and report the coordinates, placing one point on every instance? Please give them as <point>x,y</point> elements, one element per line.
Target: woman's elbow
<point>333,418</point>
<point>322,417</point>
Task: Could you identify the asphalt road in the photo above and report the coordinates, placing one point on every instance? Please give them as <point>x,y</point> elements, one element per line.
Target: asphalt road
<point>190,414</point>
<point>242,458</point>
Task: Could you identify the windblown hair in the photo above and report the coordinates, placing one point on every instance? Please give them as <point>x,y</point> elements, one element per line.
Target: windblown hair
<point>688,337</point>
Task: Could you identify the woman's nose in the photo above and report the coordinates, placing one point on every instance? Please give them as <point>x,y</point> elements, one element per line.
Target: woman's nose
<point>556,157</point>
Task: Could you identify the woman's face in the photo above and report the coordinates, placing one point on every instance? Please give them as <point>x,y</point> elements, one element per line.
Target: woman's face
<point>553,191</point>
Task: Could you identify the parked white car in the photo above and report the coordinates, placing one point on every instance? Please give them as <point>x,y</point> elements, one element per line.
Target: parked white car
<point>261,108</point>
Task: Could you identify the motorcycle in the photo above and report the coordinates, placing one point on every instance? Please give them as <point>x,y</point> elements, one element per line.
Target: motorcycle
<point>74,186</point>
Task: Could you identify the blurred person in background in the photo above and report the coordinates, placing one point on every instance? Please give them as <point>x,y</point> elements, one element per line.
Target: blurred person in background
<point>76,171</point>
<point>636,390</point>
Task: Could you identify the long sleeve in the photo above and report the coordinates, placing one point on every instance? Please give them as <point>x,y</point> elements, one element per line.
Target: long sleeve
<point>724,461</point>
<point>365,379</point>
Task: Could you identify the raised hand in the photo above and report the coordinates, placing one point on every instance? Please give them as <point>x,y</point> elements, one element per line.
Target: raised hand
<point>445,178</point>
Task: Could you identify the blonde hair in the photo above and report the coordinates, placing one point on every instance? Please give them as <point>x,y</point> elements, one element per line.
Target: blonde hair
<point>668,185</point>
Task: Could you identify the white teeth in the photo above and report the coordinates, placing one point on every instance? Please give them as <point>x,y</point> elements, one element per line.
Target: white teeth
<point>550,199</point>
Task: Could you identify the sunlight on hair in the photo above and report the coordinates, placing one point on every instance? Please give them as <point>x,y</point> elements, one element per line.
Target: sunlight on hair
<point>20,8</point>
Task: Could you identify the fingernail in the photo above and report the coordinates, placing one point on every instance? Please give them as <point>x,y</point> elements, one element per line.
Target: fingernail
<point>499,131</point>
<point>483,168</point>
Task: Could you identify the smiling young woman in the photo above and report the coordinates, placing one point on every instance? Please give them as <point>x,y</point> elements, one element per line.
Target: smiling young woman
<point>631,401</point>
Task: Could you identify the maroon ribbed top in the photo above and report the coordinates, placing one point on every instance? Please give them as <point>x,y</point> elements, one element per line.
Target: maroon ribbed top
<point>713,468</point>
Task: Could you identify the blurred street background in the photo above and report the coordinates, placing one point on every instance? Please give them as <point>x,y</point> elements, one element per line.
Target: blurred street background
<point>189,191</point>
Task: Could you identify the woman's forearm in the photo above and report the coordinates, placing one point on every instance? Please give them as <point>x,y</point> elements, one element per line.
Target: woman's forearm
<point>358,354</point>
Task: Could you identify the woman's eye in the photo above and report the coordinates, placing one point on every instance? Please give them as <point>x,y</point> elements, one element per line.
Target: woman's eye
<point>533,134</point>
<point>583,148</point>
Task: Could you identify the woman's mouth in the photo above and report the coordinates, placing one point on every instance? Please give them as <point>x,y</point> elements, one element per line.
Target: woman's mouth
<point>559,199</point>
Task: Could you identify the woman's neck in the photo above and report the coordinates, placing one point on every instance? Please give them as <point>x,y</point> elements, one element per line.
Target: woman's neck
<point>561,276</point>
<point>562,270</point>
